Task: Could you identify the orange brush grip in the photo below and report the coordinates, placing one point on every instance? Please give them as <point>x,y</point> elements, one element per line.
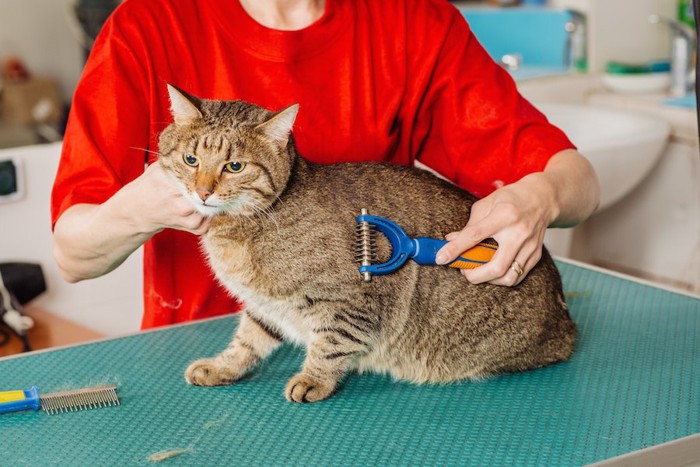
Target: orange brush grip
<point>475,257</point>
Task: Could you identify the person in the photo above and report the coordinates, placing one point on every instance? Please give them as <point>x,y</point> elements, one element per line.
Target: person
<point>399,81</point>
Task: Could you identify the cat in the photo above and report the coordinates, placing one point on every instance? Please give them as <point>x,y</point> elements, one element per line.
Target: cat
<point>282,239</point>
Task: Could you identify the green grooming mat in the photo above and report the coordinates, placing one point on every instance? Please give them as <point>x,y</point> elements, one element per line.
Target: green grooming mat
<point>633,382</point>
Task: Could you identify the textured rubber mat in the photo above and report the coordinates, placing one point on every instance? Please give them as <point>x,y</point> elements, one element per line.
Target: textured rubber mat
<point>633,382</point>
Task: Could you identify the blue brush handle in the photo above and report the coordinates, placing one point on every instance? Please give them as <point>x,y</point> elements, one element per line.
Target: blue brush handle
<point>422,250</point>
<point>425,249</point>
<point>24,399</point>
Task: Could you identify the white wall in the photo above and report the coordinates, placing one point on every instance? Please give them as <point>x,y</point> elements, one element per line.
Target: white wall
<point>38,32</point>
<point>111,304</point>
<point>655,232</point>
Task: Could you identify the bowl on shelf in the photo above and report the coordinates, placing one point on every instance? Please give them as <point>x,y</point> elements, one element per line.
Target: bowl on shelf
<point>641,83</point>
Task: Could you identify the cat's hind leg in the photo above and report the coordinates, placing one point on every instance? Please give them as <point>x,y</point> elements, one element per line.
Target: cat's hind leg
<point>252,342</point>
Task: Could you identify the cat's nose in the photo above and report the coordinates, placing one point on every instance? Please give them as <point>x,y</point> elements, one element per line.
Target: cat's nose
<point>203,193</point>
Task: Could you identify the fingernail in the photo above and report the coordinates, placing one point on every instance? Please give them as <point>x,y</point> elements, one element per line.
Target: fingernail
<point>441,257</point>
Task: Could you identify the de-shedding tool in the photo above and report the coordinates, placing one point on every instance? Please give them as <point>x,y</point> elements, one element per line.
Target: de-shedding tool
<point>58,402</point>
<point>422,250</point>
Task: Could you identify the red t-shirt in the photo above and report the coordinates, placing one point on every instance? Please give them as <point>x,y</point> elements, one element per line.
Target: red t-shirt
<point>389,80</point>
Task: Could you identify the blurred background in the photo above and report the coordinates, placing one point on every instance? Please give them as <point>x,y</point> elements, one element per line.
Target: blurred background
<point>616,75</point>
<point>43,46</point>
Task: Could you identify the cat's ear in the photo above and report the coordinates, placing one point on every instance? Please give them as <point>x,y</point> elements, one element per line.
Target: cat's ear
<point>279,125</point>
<point>185,108</point>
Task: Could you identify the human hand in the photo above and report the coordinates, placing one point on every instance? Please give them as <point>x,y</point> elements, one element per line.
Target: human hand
<point>91,240</point>
<point>154,202</point>
<point>516,216</point>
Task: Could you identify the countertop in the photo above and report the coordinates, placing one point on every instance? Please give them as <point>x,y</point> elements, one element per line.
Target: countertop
<point>633,383</point>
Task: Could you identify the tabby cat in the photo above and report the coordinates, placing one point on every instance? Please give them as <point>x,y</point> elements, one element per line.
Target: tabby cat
<point>282,240</point>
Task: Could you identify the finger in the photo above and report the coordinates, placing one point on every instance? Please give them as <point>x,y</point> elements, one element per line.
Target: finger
<point>462,241</point>
<point>451,236</point>
<point>495,269</point>
<point>183,208</point>
<point>502,275</point>
<point>523,263</point>
<point>195,223</point>
<point>499,270</point>
<point>203,227</point>
<point>535,246</point>
<point>515,273</point>
<point>529,265</point>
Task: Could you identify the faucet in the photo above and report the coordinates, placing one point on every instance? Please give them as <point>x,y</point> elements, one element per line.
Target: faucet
<point>683,44</point>
<point>511,61</point>
<point>576,48</point>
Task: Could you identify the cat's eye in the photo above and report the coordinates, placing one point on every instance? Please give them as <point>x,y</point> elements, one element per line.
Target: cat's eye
<point>234,167</point>
<point>191,160</point>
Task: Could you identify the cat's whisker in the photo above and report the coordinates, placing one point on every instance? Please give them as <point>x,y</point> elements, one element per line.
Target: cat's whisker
<point>266,212</point>
<point>277,199</point>
<point>255,211</point>
<point>270,213</point>
<point>259,219</point>
<point>147,150</point>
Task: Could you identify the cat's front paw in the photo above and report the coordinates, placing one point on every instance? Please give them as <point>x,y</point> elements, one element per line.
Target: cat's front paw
<point>209,372</point>
<point>304,388</point>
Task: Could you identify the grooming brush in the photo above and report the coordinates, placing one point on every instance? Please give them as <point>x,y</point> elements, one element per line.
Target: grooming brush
<point>422,250</point>
<point>58,402</point>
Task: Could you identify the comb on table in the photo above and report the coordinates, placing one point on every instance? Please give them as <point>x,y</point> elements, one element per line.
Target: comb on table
<point>58,402</point>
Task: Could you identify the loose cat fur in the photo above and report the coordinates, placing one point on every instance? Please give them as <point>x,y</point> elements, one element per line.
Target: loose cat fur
<point>282,240</point>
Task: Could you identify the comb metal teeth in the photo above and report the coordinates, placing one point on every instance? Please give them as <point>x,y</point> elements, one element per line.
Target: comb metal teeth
<point>79,399</point>
<point>365,245</point>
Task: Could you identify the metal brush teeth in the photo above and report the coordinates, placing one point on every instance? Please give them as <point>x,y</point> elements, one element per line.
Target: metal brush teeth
<point>79,399</point>
<point>365,245</point>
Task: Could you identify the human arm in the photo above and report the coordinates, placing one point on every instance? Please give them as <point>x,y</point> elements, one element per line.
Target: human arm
<point>517,216</point>
<point>474,128</point>
<point>91,240</point>
<point>104,205</point>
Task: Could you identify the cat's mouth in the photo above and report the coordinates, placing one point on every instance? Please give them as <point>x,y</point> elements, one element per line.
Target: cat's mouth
<point>207,207</point>
<point>214,206</point>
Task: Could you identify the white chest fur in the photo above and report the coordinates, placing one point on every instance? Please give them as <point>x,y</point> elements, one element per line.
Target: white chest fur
<point>279,314</point>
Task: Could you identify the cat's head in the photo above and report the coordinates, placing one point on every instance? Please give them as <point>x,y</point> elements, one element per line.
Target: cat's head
<point>227,156</point>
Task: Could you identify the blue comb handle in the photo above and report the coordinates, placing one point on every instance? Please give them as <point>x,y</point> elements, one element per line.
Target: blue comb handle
<point>425,249</point>
<point>23,399</point>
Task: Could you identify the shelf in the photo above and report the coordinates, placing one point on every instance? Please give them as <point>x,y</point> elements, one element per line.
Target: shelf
<point>49,331</point>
